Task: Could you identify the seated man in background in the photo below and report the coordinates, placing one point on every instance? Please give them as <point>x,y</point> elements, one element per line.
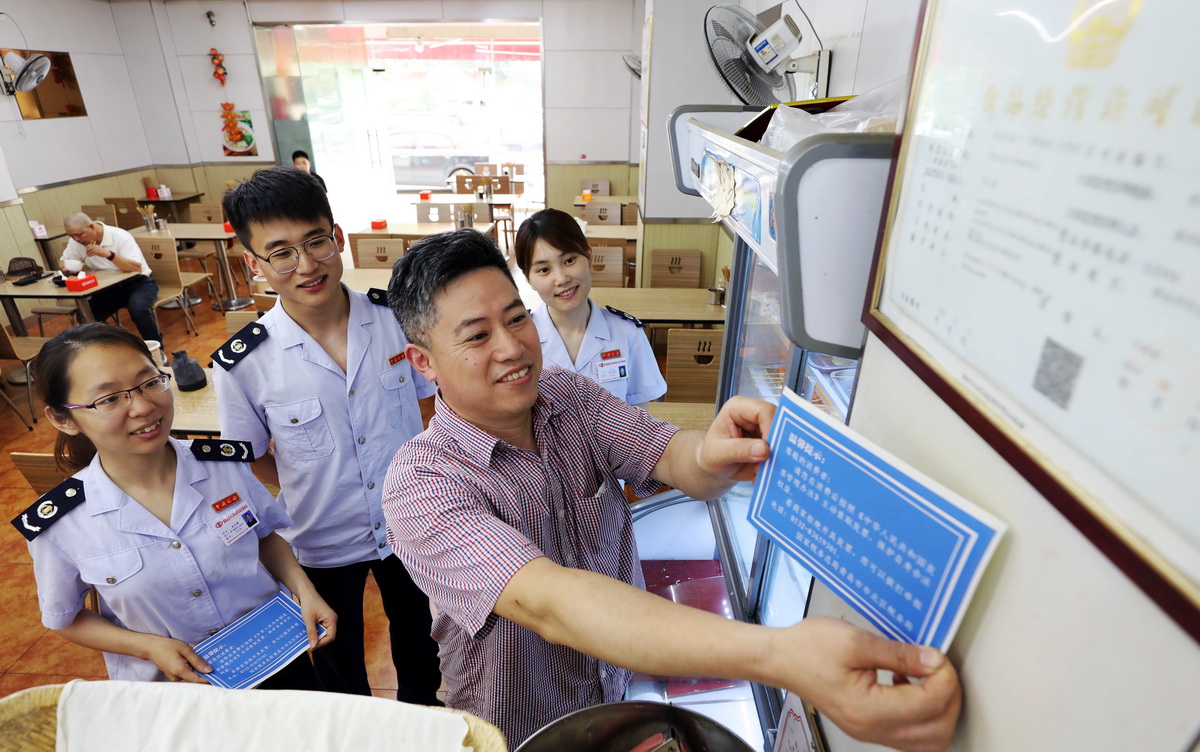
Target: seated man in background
<point>301,161</point>
<point>100,248</point>
<point>508,513</point>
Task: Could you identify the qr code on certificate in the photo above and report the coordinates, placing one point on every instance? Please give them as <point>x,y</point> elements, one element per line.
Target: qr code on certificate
<point>1057,372</point>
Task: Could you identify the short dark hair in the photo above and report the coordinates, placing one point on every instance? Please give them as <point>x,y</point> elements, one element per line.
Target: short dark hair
<point>50,370</point>
<point>428,268</point>
<point>275,193</point>
<point>300,153</point>
<point>554,226</point>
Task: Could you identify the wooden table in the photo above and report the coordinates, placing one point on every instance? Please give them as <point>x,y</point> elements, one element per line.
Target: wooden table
<point>655,305</point>
<point>695,416</point>
<point>444,199</point>
<point>45,288</point>
<point>196,412</point>
<point>172,204</point>
<point>621,199</point>
<point>402,230</point>
<point>219,236</point>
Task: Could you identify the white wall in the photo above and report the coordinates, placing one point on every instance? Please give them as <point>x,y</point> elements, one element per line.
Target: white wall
<point>146,77</point>
<point>112,136</point>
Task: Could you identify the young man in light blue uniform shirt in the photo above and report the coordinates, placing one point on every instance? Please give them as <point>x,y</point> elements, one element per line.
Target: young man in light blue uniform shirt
<point>323,377</point>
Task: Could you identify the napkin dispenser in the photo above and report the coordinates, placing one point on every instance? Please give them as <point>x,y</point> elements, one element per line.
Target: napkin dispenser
<point>81,283</point>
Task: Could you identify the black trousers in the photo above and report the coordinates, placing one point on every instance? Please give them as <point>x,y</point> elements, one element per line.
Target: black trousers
<point>137,295</point>
<point>341,665</point>
<point>298,674</point>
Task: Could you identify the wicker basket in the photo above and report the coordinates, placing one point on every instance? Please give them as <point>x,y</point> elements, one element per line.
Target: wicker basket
<point>29,720</point>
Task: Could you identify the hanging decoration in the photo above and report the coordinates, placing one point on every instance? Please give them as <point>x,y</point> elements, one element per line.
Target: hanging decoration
<point>237,134</point>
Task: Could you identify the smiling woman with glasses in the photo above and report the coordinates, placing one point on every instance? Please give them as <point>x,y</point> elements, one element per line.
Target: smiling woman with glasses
<point>177,538</point>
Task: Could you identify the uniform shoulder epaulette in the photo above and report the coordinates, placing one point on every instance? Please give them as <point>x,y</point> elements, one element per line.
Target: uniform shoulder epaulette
<point>377,296</point>
<point>49,508</point>
<point>239,345</point>
<point>628,317</point>
<point>226,450</point>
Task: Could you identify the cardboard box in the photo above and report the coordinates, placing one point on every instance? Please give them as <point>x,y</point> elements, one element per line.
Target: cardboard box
<point>79,284</point>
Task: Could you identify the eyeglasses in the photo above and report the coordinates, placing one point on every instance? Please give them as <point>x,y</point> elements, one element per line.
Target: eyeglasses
<point>287,260</point>
<point>118,400</point>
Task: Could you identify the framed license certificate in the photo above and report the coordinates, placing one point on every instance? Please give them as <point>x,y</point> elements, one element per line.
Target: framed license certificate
<point>1039,266</point>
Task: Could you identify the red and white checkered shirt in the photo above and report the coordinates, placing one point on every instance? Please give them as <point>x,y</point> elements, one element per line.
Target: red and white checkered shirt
<point>466,510</point>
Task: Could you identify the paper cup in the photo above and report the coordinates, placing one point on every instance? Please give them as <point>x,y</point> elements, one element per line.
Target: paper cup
<point>156,354</point>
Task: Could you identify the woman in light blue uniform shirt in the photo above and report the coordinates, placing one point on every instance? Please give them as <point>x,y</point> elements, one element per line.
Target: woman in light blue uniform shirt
<point>576,334</point>
<point>177,537</point>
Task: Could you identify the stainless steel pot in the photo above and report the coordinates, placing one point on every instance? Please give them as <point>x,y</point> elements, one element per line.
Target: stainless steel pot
<point>621,726</point>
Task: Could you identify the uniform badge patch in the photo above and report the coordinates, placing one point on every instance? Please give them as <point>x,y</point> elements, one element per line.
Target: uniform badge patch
<point>377,296</point>
<point>610,354</point>
<point>49,508</point>
<point>396,358</point>
<point>239,345</point>
<point>617,312</point>
<point>223,449</point>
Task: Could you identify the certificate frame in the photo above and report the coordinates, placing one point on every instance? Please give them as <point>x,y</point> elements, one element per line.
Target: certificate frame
<point>1161,564</point>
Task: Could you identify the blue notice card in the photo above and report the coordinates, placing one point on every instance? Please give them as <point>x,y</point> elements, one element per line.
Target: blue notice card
<point>906,552</point>
<point>254,647</point>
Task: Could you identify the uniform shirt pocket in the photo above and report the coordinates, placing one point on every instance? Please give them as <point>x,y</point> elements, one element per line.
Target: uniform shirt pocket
<point>110,569</point>
<point>300,429</point>
<point>398,396</point>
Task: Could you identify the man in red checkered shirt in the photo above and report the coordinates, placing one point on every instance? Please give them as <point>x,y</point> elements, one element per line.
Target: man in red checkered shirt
<point>508,513</point>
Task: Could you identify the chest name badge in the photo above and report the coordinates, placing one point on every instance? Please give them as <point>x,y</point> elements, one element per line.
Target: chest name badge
<point>234,521</point>
<point>396,358</point>
<point>612,370</point>
<point>229,500</point>
<point>610,354</point>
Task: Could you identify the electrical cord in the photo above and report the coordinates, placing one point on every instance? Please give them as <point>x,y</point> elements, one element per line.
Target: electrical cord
<point>820,44</point>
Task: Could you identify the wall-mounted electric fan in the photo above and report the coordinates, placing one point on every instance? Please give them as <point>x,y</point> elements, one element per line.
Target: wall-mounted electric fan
<point>753,60</point>
<point>19,74</point>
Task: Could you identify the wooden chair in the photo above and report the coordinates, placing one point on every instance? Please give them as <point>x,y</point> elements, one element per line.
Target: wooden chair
<point>236,320</point>
<point>23,349</point>
<point>172,283</point>
<point>40,471</point>
<point>601,213</point>
<point>670,268</point>
<point>629,213</point>
<point>693,364</point>
<point>432,213</point>
<point>500,183</point>
<point>466,183</point>
<point>128,217</point>
<point>596,186</point>
<point>18,267</point>
<point>487,168</point>
<point>607,267</point>
<point>106,213</point>
<point>380,254</point>
<point>205,213</point>
<point>264,302</point>
<point>12,404</point>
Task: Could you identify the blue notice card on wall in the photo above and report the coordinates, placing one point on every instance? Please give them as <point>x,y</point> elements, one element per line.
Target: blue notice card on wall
<point>254,647</point>
<point>906,552</point>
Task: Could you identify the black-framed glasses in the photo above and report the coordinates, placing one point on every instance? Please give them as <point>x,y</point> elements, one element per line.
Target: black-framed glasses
<point>118,400</point>
<point>287,260</point>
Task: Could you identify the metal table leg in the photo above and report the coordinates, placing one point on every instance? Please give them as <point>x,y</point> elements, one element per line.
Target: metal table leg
<point>232,303</point>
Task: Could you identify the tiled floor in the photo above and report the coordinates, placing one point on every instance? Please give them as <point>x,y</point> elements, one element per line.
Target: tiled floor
<point>32,655</point>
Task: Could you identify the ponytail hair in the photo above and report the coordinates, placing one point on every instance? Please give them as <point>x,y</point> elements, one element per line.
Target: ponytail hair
<point>50,377</point>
